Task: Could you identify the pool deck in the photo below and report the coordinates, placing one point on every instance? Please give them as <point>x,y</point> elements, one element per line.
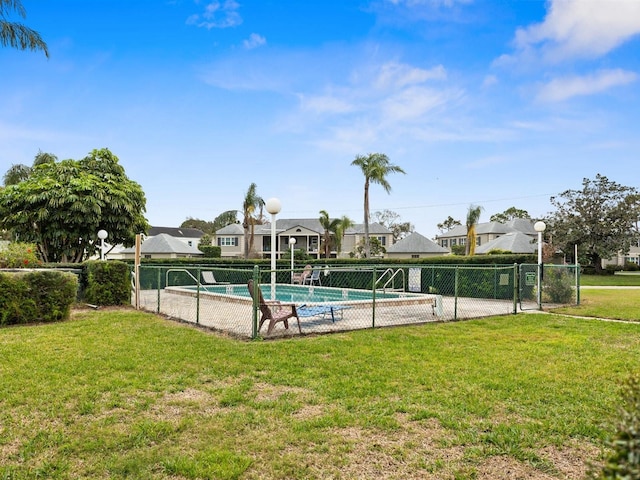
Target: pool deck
<point>235,318</point>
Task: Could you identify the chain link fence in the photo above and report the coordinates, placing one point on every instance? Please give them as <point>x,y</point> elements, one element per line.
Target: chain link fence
<point>324,299</point>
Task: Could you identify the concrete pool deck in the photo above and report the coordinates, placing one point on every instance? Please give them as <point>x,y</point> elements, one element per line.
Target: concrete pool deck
<point>236,318</point>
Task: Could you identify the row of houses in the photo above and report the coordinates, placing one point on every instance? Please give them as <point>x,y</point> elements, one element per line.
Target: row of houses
<point>516,236</point>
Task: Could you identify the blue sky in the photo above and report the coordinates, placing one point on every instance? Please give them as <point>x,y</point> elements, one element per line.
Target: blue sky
<point>493,103</point>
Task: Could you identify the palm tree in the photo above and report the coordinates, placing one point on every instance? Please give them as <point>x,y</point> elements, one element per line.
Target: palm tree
<point>473,215</point>
<point>344,224</point>
<point>375,168</point>
<point>330,228</point>
<point>252,202</point>
<point>19,172</point>
<point>15,34</point>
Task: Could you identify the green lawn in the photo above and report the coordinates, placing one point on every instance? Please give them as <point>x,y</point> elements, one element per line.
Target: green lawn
<point>606,303</point>
<point>610,280</point>
<point>123,394</point>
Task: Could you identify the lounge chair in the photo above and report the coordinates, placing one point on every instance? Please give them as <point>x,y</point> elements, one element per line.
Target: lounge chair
<point>273,310</point>
<point>299,278</point>
<point>322,311</point>
<point>209,279</point>
<point>313,278</point>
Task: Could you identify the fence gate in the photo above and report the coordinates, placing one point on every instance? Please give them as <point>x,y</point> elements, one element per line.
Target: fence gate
<point>528,287</point>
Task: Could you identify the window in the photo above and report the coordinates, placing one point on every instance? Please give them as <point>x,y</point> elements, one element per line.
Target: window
<point>454,242</point>
<point>462,241</point>
<point>415,255</point>
<point>227,241</point>
<point>478,241</point>
<point>445,243</point>
<point>190,243</point>
<point>382,240</point>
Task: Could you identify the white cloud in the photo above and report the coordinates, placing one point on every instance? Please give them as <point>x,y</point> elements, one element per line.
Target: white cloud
<point>254,41</point>
<point>399,75</point>
<point>564,88</point>
<point>580,28</point>
<point>325,104</point>
<point>217,15</point>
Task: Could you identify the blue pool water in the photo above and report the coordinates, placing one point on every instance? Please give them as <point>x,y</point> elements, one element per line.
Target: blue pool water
<point>298,293</point>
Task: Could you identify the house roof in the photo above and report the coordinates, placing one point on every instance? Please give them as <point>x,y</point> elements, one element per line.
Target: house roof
<point>523,225</point>
<point>176,232</point>
<point>312,224</point>
<point>231,229</point>
<point>514,242</point>
<point>416,243</point>
<point>164,243</point>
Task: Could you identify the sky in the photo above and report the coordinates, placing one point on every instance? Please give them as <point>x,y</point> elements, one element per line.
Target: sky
<point>494,103</point>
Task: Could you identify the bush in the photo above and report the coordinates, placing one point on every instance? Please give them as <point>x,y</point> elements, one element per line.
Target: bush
<point>210,251</point>
<point>558,285</point>
<point>107,283</point>
<point>611,269</point>
<point>631,267</point>
<point>42,296</point>
<point>624,462</point>
<point>19,255</point>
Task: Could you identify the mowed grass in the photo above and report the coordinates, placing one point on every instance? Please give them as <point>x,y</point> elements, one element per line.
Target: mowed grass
<point>618,304</point>
<point>125,394</point>
<point>610,280</point>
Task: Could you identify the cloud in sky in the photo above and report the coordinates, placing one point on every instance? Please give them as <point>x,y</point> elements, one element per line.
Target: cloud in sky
<point>581,29</point>
<point>217,15</point>
<point>254,41</point>
<point>564,88</point>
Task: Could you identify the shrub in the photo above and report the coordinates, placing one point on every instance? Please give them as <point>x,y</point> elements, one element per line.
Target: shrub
<point>624,462</point>
<point>19,255</point>
<point>558,285</point>
<point>107,283</point>
<point>631,267</point>
<point>53,293</point>
<point>42,296</point>
<point>210,251</point>
<point>611,269</point>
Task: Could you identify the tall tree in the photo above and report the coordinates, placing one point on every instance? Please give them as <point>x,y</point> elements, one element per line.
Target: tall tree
<point>473,216</point>
<point>330,228</point>
<point>61,206</point>
<point>375,168</point>
<point>19,172</point>
<point>344,224</point>
<point>391,220</point>
<point>17,35</point>
<point>601,219</point>
<point>448,224</point>
<point>509,214</point>
<point>251,216</point>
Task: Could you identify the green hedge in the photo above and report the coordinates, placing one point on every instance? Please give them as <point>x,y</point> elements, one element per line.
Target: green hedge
<point>39,296</point>
<point>107,283</point>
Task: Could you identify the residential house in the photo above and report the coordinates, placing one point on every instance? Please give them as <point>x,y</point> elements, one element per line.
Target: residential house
<point>415,246</point>
<point>486,232</point>
<point>188,236</point>
<point>514,242</point>
<point>162,245</point>
<point>308,233</point>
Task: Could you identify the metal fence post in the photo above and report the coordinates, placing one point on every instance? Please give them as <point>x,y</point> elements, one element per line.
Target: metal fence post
<point>373,296</point>
<point>159,279</point>
<point>455,294</point>
<point>516,277</point>
<point>577,283</point>
<point>255,295</point>
<point>198,298</point>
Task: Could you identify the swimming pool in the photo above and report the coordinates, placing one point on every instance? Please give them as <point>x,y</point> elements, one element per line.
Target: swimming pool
<point>302,294</point>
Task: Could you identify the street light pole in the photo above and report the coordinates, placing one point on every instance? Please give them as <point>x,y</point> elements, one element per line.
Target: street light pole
<point>292,243</point>
<point>540,228</point>
<point>102,234</point>
<point>273,207</point>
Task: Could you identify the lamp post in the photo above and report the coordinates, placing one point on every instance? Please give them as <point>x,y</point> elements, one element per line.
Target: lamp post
<point>102,234</point>
<point>292,243</point>
<point>539,227</point>
<point>273,207</point>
